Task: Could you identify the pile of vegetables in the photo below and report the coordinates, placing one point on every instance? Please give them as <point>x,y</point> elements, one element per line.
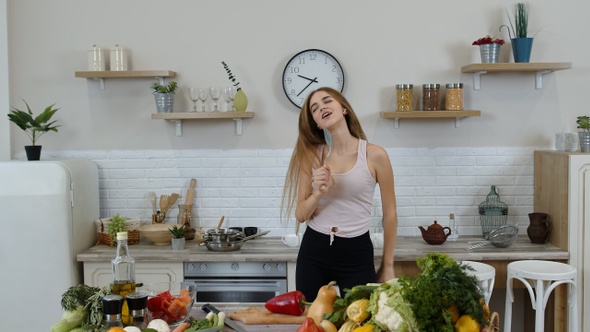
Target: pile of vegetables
<point>83,309</point>
<point>442,298</point>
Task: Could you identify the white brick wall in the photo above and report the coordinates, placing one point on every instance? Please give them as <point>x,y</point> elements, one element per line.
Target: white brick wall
<point>246,185</point>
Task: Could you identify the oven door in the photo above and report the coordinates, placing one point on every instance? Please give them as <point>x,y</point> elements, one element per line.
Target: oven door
<point>238,290</point>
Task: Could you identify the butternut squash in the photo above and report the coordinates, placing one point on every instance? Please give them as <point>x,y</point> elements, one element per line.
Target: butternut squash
<point>323,303</point>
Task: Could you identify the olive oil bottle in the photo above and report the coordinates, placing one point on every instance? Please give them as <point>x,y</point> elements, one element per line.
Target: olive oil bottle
<point>123,275</point>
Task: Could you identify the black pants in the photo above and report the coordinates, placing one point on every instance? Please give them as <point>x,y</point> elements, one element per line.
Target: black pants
<point>348,261</point>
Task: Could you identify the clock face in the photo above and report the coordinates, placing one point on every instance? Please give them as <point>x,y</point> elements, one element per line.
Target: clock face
<point>309,70</point>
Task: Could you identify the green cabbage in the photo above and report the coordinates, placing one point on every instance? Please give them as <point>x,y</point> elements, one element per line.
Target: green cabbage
<point>70,320</point>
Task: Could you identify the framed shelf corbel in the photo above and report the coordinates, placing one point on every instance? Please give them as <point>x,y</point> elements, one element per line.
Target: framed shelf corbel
<point>457,115</point>
<point>178,117</point>
<point>539,69</point>
<point>102,75</point>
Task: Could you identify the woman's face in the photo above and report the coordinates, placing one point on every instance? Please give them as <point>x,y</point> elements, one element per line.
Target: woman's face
<point>325,110</point>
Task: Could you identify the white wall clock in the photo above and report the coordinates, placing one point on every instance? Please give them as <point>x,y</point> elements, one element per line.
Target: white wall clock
<point>309,70</point>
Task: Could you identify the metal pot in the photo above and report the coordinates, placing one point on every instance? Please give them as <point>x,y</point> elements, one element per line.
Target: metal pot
<point>222,235</point>
<point>231,245</point>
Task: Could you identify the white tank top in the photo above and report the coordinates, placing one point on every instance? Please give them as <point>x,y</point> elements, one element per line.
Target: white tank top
<point>345,210</point>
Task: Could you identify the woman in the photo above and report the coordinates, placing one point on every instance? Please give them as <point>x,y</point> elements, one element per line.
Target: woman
<point>332,189</point>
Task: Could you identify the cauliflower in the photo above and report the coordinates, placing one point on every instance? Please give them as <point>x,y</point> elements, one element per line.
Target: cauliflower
<point>390,312</point>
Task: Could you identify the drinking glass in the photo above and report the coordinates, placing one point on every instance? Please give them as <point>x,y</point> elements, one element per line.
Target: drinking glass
<point>202,93</point>
<point>228,97</point>
<point>233,90</point>
<point>194,97</point>
<point>215,93</point>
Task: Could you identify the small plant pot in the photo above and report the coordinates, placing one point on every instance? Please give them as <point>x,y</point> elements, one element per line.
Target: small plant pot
<point>584,141</point>
<point>164,102</point>
<point>33,152</point>
<point>178,244</point>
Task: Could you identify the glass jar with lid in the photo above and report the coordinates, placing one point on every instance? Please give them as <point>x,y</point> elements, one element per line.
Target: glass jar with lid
<point>430,94</point>
<point>404,97</point>
<point>454,97</point>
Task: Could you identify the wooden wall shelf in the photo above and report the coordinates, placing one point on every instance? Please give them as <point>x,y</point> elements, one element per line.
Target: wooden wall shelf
<point>178,117</point>
<point>102,75</point>
<point>539,68</point>
<point>458,115</point>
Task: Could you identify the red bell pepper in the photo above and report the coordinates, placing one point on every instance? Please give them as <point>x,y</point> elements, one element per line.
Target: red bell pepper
<point>290,303</point>
<point>309,326</point>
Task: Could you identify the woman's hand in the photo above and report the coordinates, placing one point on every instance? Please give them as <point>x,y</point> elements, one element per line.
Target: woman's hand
<point>322,179</point>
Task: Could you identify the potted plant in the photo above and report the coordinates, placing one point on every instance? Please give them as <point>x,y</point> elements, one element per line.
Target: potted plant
<point>584,124</point>
<point>489,48</point>
<point>164,95</point>
<point>34,127</point>
<point>178,241</point>
<point>240,99</point>
<point>522,44</point>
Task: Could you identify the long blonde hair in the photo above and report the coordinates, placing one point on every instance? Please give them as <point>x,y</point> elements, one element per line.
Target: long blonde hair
<point>306,153</point>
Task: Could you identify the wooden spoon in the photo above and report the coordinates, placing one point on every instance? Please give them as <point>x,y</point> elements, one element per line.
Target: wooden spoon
<point>152,196</point>
<point>172,200</point>
<point>220,222</point>
<point>164,199</point>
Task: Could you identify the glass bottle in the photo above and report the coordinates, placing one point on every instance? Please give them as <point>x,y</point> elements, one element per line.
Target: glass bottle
<point>454,97</point>
<point>404,100</point>
<point>430,93</point>
<point>184,218</point>
<point>137,303</point>
<point>123,275</point>
<point>111,310</point>
<point>454,226</point>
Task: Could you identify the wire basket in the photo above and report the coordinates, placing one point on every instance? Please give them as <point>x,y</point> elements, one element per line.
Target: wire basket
<point>493,213</point>
<point>501,237</point>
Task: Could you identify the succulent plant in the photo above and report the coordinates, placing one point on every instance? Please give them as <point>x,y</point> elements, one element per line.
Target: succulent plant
<point>160,88</point>
<point>178,232</point>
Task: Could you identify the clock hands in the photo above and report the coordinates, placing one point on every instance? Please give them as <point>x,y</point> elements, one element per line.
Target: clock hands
<point>309,79</point>
<point>307,86</point>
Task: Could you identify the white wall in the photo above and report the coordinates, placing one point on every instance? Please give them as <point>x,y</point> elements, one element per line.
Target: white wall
<point>380,43</point>
<point>4,102</point>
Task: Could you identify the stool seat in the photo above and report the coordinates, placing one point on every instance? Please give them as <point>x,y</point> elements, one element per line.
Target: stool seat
<point>544,276</point>
<point>485,275</point>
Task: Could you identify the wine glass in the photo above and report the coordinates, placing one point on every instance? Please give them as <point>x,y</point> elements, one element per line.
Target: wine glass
<point>194,97</point>
<point>232,91</point>
<point>202,93</point>
<point>215,93</point>
<point>228,97</point>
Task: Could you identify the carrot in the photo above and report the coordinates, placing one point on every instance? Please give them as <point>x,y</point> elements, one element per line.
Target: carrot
<point>176,306</point>
<point>185,297</point>
<point>182,327</point>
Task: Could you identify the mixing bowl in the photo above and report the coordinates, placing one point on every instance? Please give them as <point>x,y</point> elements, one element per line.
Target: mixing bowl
<point>170,301</point>
<point>159,234</point>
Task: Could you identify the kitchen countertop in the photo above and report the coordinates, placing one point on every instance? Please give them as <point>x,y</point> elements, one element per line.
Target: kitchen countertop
<point>272,249</point>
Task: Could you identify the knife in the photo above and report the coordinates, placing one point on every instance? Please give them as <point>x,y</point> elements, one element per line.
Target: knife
<point>229,322</point>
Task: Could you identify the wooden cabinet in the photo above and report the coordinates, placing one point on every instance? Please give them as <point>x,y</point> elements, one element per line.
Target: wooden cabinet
<point>562,189</point>
<point>99,274</point>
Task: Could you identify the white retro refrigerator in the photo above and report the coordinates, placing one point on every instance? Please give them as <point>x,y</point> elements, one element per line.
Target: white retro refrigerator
<point>47,213</point>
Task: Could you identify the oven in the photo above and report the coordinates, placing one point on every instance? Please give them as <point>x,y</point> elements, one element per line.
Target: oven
<point>237,281</point>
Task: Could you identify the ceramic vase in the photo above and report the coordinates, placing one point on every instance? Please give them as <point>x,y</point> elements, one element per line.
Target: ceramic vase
<point>489,53</point>
<point>164,102</point>
<point>521,49</point>
<point>240,101</point>
<point>539,227</point>
<point>33,152</point>
<point>584,141</point>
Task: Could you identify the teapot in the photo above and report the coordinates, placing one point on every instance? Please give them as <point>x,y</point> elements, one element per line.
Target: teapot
<point>435,234</point>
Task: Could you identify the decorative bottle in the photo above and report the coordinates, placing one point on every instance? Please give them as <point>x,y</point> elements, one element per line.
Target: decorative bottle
<point>111,310</point>
<point>454,227</point>
<point>123,275</point>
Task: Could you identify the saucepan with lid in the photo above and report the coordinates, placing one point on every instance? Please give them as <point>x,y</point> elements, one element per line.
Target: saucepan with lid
<point>228,244</point>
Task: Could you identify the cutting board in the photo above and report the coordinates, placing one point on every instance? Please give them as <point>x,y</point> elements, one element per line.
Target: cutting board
<point>260,316</point>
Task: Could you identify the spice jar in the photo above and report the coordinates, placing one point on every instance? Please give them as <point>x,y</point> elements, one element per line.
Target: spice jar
<point>430,94</point>
<point>138,309</point>
<point>111,308</point>
<point>404,97</point>
<point>454,97</point>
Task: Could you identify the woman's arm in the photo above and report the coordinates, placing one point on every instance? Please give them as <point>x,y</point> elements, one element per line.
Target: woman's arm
<point>308,196</point>
<point>380,164</point>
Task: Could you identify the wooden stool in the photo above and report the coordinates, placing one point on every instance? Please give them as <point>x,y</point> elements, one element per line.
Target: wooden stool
<point>486,276</point>
<point>545,276</point>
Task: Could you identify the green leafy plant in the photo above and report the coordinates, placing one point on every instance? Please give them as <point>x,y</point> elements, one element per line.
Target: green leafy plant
<point>230,74</point>
<point>116,225</point>
<point>160,88</point>
<point>34,127</point>
<point>583,122</point>
<point>178,232</point>
<point>520,22</point>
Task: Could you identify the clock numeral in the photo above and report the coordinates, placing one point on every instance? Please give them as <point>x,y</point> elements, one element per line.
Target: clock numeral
<point>339,80</point>
<point>301,60</point>
<point>292,92</point>
<point>289,80</point>
<point>294,70</point>
<point>313,56</point>
<point>334,68</point>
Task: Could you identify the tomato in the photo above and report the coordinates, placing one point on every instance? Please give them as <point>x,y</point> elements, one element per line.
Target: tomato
<point>309,326</point>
